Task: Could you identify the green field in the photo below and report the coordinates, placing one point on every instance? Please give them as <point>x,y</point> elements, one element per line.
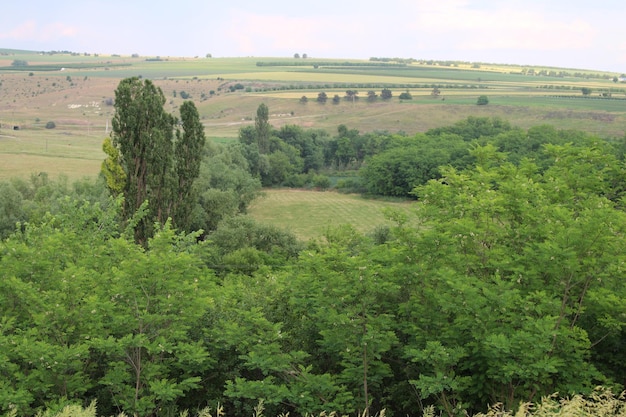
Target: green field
<point>72,90</point>
<point>310,214</point>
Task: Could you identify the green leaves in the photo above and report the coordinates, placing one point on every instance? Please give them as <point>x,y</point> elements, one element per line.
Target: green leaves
<point>156,168</point>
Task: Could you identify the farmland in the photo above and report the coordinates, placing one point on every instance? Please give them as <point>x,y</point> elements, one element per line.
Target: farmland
<point>75,92</point>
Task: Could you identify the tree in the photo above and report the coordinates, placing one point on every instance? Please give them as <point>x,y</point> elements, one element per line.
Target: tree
<point>474,127</point>
<point>11,209</point>
<point>336,99</point>
<point>262,128</point>
<point>398,170</point>
<point>157,170</point>
<point>226,185</point>
<point>351,95</point>
<point>515,238</point>
<point>405,96</point>
<point>386,94</point>
<point>322,97</point>
<point>296,55</point>
<point>304,100</point>
<point>435,93</point>
<point>187,158</point>
<point>372,96</point>
<point>150,357</point>
<point>143,132</point>
<point>112,169</point>
<point>482,100</point>
<point>586,91</point>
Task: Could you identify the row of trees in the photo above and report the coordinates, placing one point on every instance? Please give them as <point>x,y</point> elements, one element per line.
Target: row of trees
<point>390,164</point>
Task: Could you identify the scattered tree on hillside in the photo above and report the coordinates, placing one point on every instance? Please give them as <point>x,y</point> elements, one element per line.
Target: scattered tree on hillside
<point>263,128</point>
<point>322,97</point>
<point>405,96</point>
<point>351,95</point>
<point>586,91</point>
<point>386,94</point>
<point>482,100</point>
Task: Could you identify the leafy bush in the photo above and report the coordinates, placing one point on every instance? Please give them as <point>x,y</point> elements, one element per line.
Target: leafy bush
<point>350,185</point>
<point>50,125</point>
<point>405,96</point>
<point>321,181</point>
<point>601,402</point>
<point>482,100</point>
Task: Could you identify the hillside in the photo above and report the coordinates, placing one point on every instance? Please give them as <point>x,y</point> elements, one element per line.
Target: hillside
<point>76,93</point>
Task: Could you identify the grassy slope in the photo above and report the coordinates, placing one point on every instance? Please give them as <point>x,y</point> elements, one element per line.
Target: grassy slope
<point>74,100</point>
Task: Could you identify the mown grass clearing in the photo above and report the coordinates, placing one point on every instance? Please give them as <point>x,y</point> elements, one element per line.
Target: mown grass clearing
<point>309,214</point>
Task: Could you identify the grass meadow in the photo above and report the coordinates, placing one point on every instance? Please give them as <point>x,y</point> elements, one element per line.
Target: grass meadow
<point>309,214</point>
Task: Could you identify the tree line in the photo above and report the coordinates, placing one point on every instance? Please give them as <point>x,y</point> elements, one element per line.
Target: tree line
<point>503,288</point>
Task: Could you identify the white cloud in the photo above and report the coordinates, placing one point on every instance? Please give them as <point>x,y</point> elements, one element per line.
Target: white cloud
<point>258,33</point>
<point>517,26</point>
<point>30,30</point>
<point>23,31</point>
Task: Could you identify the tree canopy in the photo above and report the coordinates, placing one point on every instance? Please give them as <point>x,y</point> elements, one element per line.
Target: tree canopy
<point>159,170</point>
<point>504,286</point>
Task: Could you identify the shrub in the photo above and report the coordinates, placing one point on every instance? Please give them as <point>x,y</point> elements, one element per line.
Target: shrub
<point>350,185</point>
<point>321,181</point>
<point>381,234</point>
<point>482,100</point>
<point>405,96</point>
<point>50,125</point>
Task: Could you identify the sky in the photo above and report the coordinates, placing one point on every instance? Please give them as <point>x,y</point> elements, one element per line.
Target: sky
<point>580,34</point>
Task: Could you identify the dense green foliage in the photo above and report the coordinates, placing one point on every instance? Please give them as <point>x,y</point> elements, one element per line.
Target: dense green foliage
<point>158,169</point>
<point>506,287</point>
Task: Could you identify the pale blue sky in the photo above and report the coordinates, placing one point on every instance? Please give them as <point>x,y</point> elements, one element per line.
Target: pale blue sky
<point>574,34</point>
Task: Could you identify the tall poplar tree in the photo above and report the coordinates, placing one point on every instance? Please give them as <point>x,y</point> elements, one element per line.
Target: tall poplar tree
<point>157,168</point>
<point>187,158</point>
<point>263,128</point>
